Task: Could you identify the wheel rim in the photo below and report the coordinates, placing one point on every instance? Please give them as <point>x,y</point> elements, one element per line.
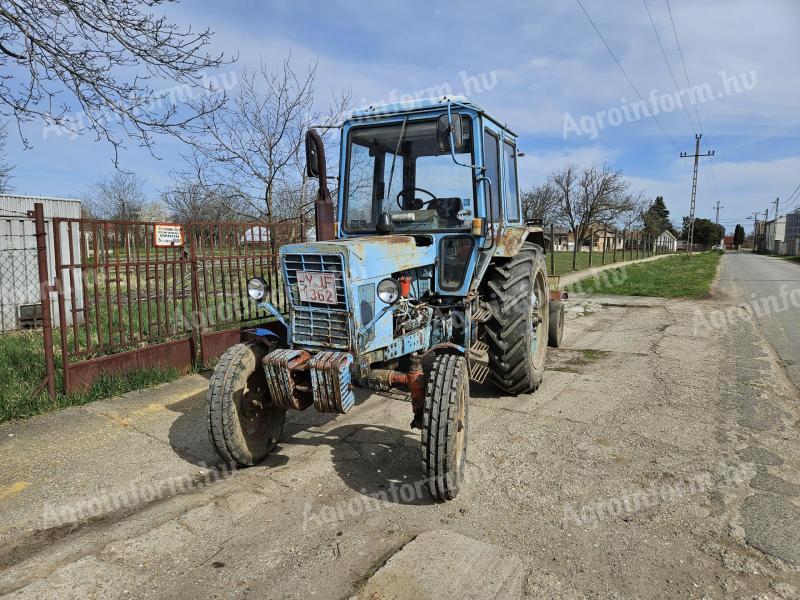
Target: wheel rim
<point>252,409</point>
<point>539,317</point>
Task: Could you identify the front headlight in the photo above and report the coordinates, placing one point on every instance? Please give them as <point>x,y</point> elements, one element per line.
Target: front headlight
<point>257,288</point>
<point>389,291</point>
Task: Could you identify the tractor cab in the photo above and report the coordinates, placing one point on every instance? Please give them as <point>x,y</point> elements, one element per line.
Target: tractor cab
<point>424,279</point>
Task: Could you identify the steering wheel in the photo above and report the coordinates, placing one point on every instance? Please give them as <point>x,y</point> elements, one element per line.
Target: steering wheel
<point>402,193</point>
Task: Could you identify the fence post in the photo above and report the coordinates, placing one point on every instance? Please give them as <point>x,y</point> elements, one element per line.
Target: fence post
<point>591,247</point>
<point>624,233</point>
<point>614,249</point>
<point>552,250</point>
<point>603,255</point>
<point>62,309</point>
<point>197,334</point>
<point>575,254</point>
<point>44,295</point>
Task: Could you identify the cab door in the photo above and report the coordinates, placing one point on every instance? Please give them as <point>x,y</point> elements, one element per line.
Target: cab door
<point>511,197</point>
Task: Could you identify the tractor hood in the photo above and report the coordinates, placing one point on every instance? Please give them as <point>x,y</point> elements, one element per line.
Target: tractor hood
<point>373,256</point>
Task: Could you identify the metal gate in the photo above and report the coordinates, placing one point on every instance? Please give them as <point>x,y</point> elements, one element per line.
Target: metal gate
<point>125,302</point>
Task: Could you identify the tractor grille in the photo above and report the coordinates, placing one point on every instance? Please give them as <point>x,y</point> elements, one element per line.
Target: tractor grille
<point>318,263</point>
<point>314,323</point>
<point>324,328</point>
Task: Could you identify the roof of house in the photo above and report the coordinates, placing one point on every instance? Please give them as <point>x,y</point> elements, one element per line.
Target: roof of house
<point>669,233</point>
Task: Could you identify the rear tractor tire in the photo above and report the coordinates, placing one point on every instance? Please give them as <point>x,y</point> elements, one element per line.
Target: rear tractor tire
<point>445,426</point>
<point>517,332</point>
<point>556,331</point>
<point>243,424</point>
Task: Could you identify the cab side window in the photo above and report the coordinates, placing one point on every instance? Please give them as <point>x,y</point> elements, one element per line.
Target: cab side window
<point>512,200</point>
<point>491,160</point>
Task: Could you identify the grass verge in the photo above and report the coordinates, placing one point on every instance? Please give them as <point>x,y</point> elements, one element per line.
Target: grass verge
<point>22,370</point>
<point>671,277</point>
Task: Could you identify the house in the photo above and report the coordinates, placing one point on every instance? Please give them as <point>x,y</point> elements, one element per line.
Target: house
<point>728,242</point>
<point>561,239</point>
<point>774,234</point>
<point>666,242</point>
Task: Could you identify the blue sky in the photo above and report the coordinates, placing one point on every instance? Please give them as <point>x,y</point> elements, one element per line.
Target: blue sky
<point>539,66</point>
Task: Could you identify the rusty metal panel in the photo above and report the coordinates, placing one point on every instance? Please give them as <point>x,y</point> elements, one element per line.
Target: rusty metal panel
<point>331,382</point>
<point>177,354</point>
<point>511,239</point>
<point>214,344</point>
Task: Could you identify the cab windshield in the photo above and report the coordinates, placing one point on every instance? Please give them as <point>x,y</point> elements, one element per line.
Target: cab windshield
<point>399,169</point>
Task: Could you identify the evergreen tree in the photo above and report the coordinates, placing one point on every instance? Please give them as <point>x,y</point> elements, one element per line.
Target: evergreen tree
<point>656,218</point>
<point>738,235</point>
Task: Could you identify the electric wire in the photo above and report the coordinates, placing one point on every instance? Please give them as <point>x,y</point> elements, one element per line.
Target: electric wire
<point>621,68</point>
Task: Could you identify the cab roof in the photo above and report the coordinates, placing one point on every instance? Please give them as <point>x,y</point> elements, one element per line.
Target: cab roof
<point>420,105</point>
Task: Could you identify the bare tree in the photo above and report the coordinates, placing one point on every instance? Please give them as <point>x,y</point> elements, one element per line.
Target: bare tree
<point>5,166</point>
<point>154,212</point>
<point>191,201</point>
<point>542,202</point>
<point>633,215</point>
<point>118,196</point>
<point>590,197</point>
<point>252,148</point>
<point>62,57</point>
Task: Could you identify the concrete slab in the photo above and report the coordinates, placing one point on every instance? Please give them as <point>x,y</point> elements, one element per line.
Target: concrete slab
<point>447,566</point>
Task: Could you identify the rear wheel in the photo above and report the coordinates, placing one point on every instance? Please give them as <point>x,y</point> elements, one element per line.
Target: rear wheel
<point>556,330</point>
<point>445,426</point>
<point>517,333</point>
<point>243,424</point>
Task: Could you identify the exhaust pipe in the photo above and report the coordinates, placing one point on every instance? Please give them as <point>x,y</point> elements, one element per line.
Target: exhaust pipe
<point>323,205</point>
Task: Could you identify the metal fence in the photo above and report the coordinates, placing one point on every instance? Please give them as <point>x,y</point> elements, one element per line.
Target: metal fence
<point>19,274</point>
<point>602,247</point>
<point>110,298</point>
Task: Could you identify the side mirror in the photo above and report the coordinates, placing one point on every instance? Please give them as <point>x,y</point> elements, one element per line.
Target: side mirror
<point>444,127</point>
<point>312,156</point>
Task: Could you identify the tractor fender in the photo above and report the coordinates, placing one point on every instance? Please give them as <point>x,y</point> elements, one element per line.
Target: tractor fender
<point>510,240</point>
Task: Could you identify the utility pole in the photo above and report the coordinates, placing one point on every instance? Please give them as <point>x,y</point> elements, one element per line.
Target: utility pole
<point>777,204</point>
<point>755,230</point>
<point>718,207</point>
<point>696,157</point>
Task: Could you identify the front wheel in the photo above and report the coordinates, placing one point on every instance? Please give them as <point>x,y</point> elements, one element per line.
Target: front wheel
<point>444,431</point>
<point>243,423</point>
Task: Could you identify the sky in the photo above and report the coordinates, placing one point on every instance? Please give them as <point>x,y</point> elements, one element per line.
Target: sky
<point>538,66</point>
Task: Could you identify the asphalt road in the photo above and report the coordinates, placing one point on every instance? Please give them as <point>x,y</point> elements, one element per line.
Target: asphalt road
<point>770,286</point>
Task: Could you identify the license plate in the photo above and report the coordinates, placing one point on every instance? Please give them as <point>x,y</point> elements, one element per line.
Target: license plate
<point>317,287</point>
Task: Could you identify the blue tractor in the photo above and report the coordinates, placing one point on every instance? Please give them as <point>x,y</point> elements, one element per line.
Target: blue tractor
<point>427,278</point>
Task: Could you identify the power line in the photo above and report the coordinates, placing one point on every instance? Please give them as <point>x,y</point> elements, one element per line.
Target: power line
<point>683,62</point>
<point>669,67</point>
<point>793,199</point>
<point>691,95</point>
<point>621,68</point>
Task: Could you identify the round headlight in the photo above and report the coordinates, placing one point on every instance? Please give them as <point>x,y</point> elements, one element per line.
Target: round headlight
<point>389,291</point>
<point>257,288</point>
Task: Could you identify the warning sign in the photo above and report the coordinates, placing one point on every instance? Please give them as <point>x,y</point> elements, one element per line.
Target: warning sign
<point>166,235</point>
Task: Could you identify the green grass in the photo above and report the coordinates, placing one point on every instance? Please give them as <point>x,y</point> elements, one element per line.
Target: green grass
<point>671,277</point>
<point>22,370</point>
<point>563,260</point>
<point>794,259</point>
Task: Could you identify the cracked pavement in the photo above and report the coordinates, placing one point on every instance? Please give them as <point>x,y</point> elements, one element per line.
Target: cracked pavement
<point>659,459</point>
